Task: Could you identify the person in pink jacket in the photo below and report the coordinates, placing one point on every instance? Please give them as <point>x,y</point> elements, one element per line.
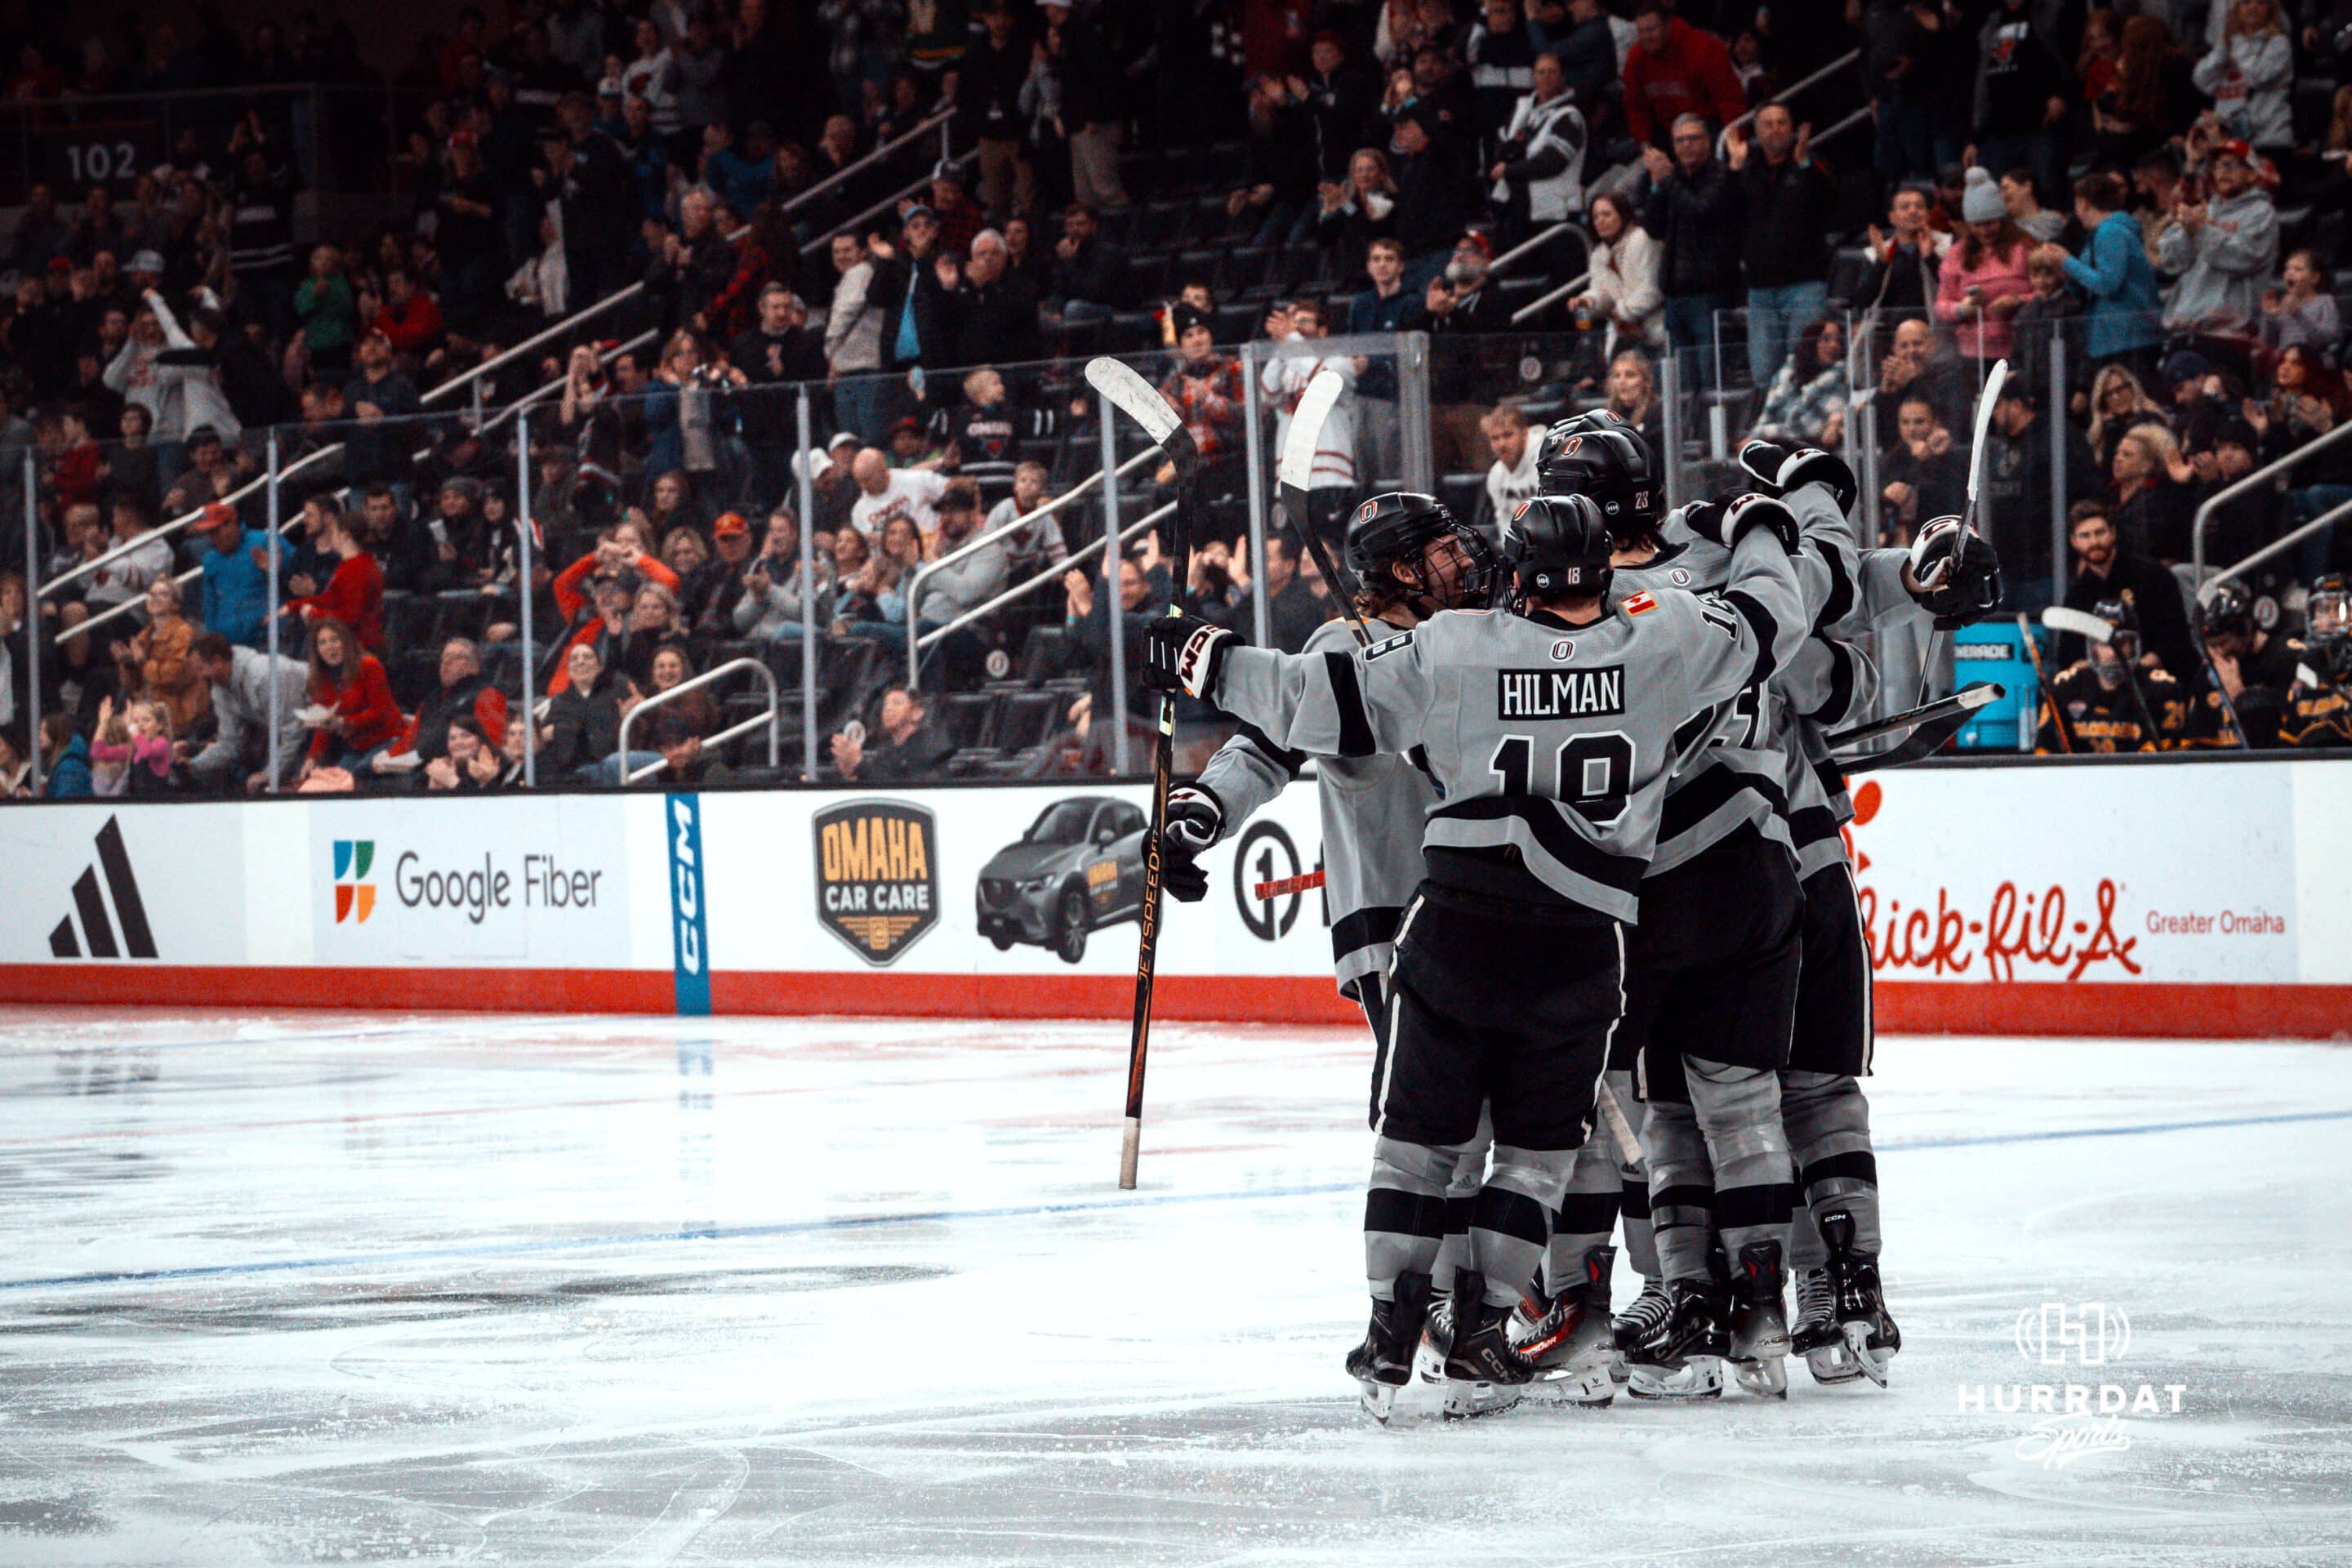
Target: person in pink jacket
<point>1983,280</point>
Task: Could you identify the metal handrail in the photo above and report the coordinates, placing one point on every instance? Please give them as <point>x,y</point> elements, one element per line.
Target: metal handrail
<point>1786,94</point>
<point>935,122</point>
<point>915,584</point>
<point>1535,242</point>
<point>130,605</point>
<point>849,225</point>
<point>2261,476</point>
<point>1858,117</point>
<point>538,395</point>
<point>1535,306</point>
<point>775,707</point>
<point>2278,546</point>
<point>546,334</point>
<point>164,531</point>
<point>1048,575</point>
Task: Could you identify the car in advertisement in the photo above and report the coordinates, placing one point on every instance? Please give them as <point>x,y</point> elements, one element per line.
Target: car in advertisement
<point>1078,869</point>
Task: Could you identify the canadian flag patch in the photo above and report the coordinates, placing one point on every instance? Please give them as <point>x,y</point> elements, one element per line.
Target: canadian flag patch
<point>1640,603</point>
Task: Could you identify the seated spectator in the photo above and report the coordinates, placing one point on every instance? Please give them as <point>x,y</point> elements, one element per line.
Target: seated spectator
<point>131,755</point>
<point>541,285</point>
<point>884,492</point>
<point>698,576</point>
<point>2151,506</point>
<point>581,735</point>
<point>2118,401</point>
<point>410,320</point>
<point>379,394</point>
<point>354,595</point>
<point>769,606</point>
<point>2019,481</point>
<point>465,696</point>
<point>958,587</point>
<point>468,764</point>
<point>909,749</point>
<point>1086,622</point>
<point>2103,570</point>
<point>1512,479</point>
<point>1038,542</point>
<point>1624,292</point>
<point>1219,587</point>
<point>616,564</point>
<point>685,764</point>
<point>2225,249</point>
<point>16,763</point>
<point>65,760</point>
<point>361,718</point>
<point>1355,215</point>
<point>2121,324</point>
<point>1293,608</point>
<point>2220,455</point>
<point>1632,395</point>
<point>1806,405</point>
<point>1091,282</point>
<point>1917,366</point>
<point>1926,476</point>
<point>160,652</point>
<point>2303,314</point>
<point>912,447</point>
<point>697,711</point>
<point>1982,281</point>
<point>242,747</point>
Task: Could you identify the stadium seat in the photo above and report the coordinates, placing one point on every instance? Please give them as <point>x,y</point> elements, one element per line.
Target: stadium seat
<point>1044,654</point>
<point>970,718</point>
<point>1029,720</point>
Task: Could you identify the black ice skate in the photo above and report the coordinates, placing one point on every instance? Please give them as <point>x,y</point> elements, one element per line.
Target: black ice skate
<point>1437,1340</point>
<point>1760,1321</point>
<point>1382,1364</point>
<point>1817,1336</point>
<point>1646,1316</point>
<point>1569,1338</point>
<point>1859,1306</point>
<point>1483,1372</point>
<point>1682,1357</point>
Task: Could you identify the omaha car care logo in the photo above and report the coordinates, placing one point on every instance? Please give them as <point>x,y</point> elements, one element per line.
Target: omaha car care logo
<point>354,894</point>
<point>878,881</point>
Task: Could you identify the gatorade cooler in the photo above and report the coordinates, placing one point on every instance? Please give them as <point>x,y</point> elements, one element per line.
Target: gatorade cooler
<point>1995,651</point>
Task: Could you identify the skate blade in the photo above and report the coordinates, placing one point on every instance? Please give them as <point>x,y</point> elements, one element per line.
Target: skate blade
<point>1870,1362</point>
<point>1588,1387</point>
<point>1428,1362</point>
<point>1467,1401</point>
<point>1765,1377</point>
<point>1696,1377</point>
<point>1831,1365</point>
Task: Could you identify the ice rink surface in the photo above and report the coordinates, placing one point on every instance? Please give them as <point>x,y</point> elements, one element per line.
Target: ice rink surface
<point>321,1288</point>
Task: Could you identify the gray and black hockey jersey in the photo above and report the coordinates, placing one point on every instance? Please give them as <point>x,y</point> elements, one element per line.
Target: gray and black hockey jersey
<point>1372,810</point>
<point>1551,741</point>
<point>1826,685</point>
<point>1730,770</point>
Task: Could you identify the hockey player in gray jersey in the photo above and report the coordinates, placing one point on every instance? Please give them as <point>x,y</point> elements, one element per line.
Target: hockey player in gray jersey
<point>1550,731</point>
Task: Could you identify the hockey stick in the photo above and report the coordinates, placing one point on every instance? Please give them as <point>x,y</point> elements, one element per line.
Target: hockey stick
<point>1924,743</point>
<point>2229,704</point>
<point>2041,680</point>
<point>1986,402</point>
<point>1132,394</point>
<point>1966,701</point>
<point>1291,470</point>
<point>2090,628</point>
<point>1284,886</point>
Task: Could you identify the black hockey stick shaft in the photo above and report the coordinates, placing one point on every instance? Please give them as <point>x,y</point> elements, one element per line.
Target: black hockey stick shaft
<point>1924,741</point>
<point>2229,704</point>
<point>1963,702</point>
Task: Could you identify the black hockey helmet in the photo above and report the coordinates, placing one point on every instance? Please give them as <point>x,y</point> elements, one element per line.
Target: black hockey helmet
<point>2328,625</point>
<point>1601,456</point>
<point>1557,545</point>
<point>2226,610</point>
<point>2120,613</point>
<point>1396,529</point>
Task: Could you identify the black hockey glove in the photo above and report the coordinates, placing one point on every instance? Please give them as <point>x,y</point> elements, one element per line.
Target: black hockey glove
<point>1722,521</point>
<point>1779,469</point>
<point>1184,652</point>
<point>1195,817</point>
<point>1957,584</point>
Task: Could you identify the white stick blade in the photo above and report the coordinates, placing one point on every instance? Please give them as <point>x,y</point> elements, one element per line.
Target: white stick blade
<point>1994,382</point>
<point>1297,460</point>
<point>1142,401</point>
<point>2081,622</point>
<point>1972,698</point>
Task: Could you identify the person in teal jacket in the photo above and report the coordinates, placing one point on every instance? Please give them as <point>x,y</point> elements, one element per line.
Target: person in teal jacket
<point>2124,321</point>
<point>65,765</point>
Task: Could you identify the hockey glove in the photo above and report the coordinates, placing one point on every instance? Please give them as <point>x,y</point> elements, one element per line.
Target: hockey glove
<point>1723,522</point>
<point>1959,585</point>
<point>1779,469</point>
<point>1195,817</point>
<point>1184,652</point>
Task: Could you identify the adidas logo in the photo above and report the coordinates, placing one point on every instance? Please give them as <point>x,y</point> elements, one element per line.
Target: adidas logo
<point>98,932</point>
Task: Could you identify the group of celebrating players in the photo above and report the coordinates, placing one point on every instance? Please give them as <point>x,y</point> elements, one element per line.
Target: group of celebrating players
<point>1585,878</point>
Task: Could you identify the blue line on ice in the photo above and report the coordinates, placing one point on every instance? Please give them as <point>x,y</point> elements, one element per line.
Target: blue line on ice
<point>1024,1211</point>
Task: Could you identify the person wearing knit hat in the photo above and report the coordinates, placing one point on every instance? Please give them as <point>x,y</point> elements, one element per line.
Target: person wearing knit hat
<point>1982,282</point>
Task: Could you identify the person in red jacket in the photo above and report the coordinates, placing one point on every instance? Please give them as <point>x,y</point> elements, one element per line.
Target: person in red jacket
<point>409,317</point>
<point>1675,69</point>
<point>349,682</point>
<point>619,552</point>
<point>354,594</point>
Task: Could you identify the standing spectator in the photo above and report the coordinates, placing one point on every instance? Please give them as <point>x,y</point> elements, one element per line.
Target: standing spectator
<point>1383,308</point>
<point>988,100</point>
<point>1906,260</point>
<point>1206,389</point>
<point>1094,108</point>
<point>1538,168</point>
<point>1359,212</point>
<point>1807,403</point>
<point>1295,327</point>
<point>236,577</point>
<point>377,395</point>
<point>2019,485</point>
<point>1983,282</point>
<point>1625,293</point>
<point>2020,193</point>
<point>323,306</point>
<point>2224,249</point>
<point>179,396</point>
<point>885,493</point>
<point>586,174</point>
<point>2019,111</point>
<point>1502,63</point>
<point>1788,209</point>
<point>241,746</point>
<point>1090,274</point>
<point>1693,208</point>
<point>1339,96</point>
<point>2250,73</point>
<point>853,341</point>
<point>1917,89</point>
<point>353,597</point>
<point>362,718</point>
<point>1276,201</point>
<point>994,309</point>
<point>2153,94</point>
<point>1673,71</point>
<point>1431,158</point>
<point>690,267</point>
<point>2121,325</point>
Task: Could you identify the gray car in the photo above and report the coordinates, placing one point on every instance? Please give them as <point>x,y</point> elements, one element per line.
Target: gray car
<point>1078,869</point>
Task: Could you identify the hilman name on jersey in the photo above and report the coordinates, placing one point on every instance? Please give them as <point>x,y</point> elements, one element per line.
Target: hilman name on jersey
<point>1559,693</point>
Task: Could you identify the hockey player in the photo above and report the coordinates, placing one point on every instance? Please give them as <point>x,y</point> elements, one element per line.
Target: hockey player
<point>2319,709</point>
<point>2109,700</point>
<point>2251,673</point>
<point>1550,729</point>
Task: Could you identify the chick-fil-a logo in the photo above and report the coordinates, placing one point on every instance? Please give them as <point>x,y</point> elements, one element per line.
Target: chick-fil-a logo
<point>2036,930</point>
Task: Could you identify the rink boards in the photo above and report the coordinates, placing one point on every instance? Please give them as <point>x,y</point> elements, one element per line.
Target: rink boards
<point>2121,899</point>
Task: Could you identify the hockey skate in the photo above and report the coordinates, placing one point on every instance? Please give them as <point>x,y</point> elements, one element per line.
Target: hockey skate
<point>1682,1357</point>
<point>1437,1340</point>
<point>1759,1321</point>
<point>1817,1336</point>
<point>1860,1305</point>
<point>1484,1373</point>
<point>1644,1317</point>
<point>1382,1364</point>
<point>1569,1338</point>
